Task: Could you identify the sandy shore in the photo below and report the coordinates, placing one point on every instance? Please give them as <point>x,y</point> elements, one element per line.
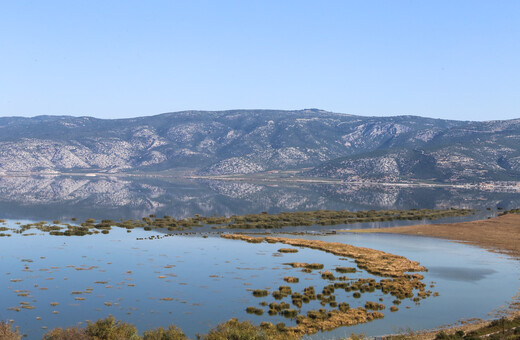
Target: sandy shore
<point>499,234</point>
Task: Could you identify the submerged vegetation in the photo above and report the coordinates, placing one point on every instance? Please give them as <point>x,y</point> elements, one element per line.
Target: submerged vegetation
<point>250,221</point>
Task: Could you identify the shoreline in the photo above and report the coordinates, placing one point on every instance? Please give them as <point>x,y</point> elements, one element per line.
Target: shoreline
<point>187,175</point>
<point>499,234</point>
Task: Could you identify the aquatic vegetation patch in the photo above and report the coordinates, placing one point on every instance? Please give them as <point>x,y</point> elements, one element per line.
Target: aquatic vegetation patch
<point>289,313</point>
<point>376,262</point>
<point>332,217</point>
<point>254,310</point>
<point>291,279</point>
<point>397,281</point>
<point>166,299</point>
<point>344,270</point>
<point>288,250</point>
<point>308,266</point>
<point>326,275</point>
<point>249,221</point>
<point>260,292</point>
<point>374,305</point>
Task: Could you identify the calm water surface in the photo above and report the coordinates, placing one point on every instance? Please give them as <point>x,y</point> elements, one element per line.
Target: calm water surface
<point>196,282</point>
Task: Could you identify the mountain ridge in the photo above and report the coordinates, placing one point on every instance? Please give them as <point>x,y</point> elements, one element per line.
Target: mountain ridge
<point>230,142</point>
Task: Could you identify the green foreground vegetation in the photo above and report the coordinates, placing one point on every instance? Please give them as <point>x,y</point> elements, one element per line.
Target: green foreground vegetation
<point>110,329</point>
<point>499,329</point>
<point>249,221</point>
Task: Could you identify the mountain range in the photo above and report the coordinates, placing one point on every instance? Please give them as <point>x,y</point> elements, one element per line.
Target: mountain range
<point>314,142</point>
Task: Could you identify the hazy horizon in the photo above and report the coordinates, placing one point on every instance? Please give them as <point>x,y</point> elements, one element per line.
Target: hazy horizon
<point>287,110</point>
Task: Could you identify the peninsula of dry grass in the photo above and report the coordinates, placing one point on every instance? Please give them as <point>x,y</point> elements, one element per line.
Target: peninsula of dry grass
<point>376,262</point>
<point>499,234</point>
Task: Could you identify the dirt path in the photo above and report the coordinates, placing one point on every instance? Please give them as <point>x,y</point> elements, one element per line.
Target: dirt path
<point>499,234</point>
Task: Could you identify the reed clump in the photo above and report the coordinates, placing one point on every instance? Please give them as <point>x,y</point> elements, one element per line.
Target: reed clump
<point>326,275</point>
<point>374,305</point>
<point>260,292</point>
<point>254,310</point>
<point>275,308</point>
<point>307,267</point>
<point>291,279</point>
<point>289,313</point>
<point>288,250</point>
<point>344,270</point>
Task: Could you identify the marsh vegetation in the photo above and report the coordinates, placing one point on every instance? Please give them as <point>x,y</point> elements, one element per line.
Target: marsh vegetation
<point>396,281</point>
<point>250,221</point>
<point>320,305</point>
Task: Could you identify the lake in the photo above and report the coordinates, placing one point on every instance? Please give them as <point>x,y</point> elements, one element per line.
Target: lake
<point>199,280</point>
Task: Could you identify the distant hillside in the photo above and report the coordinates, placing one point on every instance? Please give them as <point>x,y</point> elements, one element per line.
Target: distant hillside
<point>249,141</point>
<point>475,151</point>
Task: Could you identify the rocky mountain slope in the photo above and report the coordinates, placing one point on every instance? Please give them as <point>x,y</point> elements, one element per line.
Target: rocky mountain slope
<point>249,141</point>
<point>475,151</point>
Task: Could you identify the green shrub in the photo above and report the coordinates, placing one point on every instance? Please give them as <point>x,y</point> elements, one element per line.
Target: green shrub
<point>110,329</point>
<point>171,333</point>
<point>245,330</point>
<point>73,333</point>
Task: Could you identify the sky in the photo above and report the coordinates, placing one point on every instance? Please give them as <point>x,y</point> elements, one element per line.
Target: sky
<point>115,59</point>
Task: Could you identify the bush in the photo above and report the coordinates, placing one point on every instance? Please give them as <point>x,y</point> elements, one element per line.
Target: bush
<point>66,334</point>
<point>110,329</point>
<point>172,333</point>
<point>244,330</point>
<point>7,332</point>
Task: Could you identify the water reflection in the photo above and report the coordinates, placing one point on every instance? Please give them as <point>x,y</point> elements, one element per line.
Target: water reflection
<point>64,197</point>
<point>460,273</point>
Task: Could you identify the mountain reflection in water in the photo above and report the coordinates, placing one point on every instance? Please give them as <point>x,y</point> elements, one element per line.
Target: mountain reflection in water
<point>64,197</point>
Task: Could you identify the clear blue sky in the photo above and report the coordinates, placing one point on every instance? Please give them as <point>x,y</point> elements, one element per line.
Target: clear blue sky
<point>112,59</point>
